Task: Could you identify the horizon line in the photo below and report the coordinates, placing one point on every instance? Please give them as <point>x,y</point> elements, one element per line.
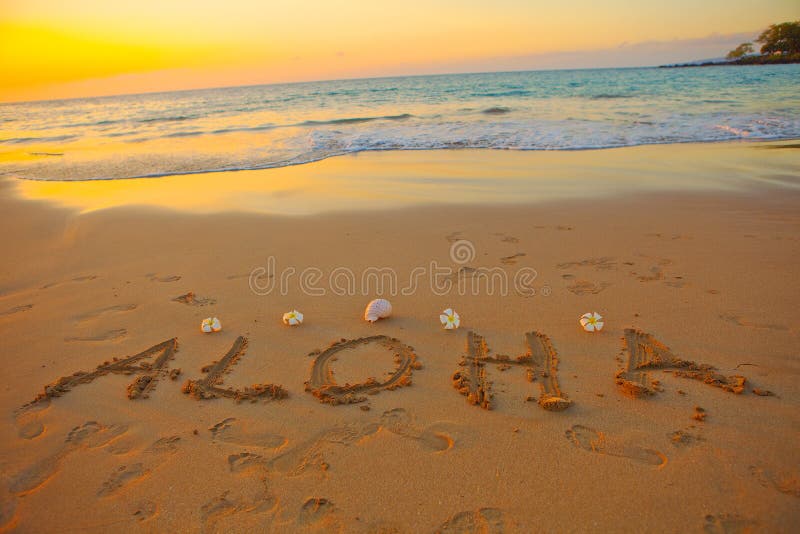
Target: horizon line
<point>272,84</point>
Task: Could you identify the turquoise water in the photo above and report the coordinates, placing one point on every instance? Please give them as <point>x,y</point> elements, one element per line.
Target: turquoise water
<point>277,125</point>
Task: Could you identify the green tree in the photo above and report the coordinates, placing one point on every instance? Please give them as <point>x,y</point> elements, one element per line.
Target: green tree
<point>740,51</point>
<point>781,39</point>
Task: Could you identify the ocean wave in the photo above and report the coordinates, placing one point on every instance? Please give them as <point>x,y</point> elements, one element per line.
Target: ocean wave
<point>497,110</point>
<point>176,118</point>
<point>356,120</point>
<point>31,140</point>
<point>184,134</point>
<point>498,94</point>
<point>259,128</point>
<point>609,96</point>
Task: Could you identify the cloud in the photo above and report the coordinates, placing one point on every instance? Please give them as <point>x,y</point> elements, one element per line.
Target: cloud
<point>626,54</point>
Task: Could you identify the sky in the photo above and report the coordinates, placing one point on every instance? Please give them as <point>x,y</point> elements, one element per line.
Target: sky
<point>63,49</point>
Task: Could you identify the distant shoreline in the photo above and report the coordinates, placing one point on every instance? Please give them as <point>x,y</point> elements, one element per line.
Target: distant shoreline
<point>752,60</point>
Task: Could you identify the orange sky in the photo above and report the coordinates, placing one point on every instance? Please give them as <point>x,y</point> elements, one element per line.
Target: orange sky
<point>58,49</point>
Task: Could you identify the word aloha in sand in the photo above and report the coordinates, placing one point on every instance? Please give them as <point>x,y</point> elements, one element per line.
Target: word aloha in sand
<point>645,353</point>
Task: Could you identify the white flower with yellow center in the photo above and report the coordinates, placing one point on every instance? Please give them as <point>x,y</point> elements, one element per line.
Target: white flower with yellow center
<point>592,322</point>
<point>293,318</point>
<point>450,319</point>
<point>210,324</point>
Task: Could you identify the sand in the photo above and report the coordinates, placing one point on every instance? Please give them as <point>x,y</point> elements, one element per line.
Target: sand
<point>682,414</point>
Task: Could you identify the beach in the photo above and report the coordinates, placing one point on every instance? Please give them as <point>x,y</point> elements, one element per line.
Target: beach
<point>689,252</point>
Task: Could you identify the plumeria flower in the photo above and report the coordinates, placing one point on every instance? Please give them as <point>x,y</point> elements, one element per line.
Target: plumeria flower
<point>210,324</point>
<point>293,318</point>
<point>592,322</point>
<point>450,319</point>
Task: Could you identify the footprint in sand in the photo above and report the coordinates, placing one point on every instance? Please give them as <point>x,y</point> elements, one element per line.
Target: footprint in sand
<point>683,439</point>
<point>671,237</point>
<point>453,237</point>
<point>8,507</point>
<point>94,314</point>
<point>191,299</point>
<point>505,238</point>
<point>16,309</point>
<point>124,445</point>
<point>511,260</point>
<point>231,430</point>
<point>319,513</point>
<point>145,510</point>
<point>436,438</point>
<point>166,278</point>
<point>121,477</point>
<point>167,444</point>
<point>243,461</point>
<point>89,435</point>
<point>307,455</point>
<point>483,521</point>
<point>784,483</point>
<point>30,429</point>
<point>586,287</point>
<point>153,456</point>
<point>604,263</point>
<point>226,505</point>
<point>656,272</point>
<point>590,439</point>
<point>109,335</point>
<point>728,524</point>
<point>739,321</point>
<point>85,278</point>
<point>27,420</point>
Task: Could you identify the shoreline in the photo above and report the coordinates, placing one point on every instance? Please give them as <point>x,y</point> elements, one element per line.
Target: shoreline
<point>709,270</point>
<point>440,177</point>
<point>776,142</point>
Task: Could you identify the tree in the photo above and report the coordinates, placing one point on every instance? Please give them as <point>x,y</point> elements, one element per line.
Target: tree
<point>740,51</point>
<point>781,39</point>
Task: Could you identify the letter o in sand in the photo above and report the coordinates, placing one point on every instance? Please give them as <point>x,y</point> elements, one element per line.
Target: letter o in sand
<point>322,385</point>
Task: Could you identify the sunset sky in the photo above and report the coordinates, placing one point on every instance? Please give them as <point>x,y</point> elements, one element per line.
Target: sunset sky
<point>57,49</point>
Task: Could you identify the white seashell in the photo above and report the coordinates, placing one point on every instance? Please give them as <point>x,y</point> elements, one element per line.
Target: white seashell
<point>293,318</point>
<point>377,309</point>
<point>592,322</point>
<point>211,324</point>
<point>450,319</point>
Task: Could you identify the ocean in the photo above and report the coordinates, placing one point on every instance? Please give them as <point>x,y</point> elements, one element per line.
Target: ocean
<point>258,127</point>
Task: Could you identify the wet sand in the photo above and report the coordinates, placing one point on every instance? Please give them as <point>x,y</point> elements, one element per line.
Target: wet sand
<point>680,415</point>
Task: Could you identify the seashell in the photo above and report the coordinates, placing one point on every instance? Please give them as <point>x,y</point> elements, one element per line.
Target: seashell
<point>210,324</point>
<point>293,318</point>
<point>592,322</point>
<point>377,309</point>
<point>450,319</point>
